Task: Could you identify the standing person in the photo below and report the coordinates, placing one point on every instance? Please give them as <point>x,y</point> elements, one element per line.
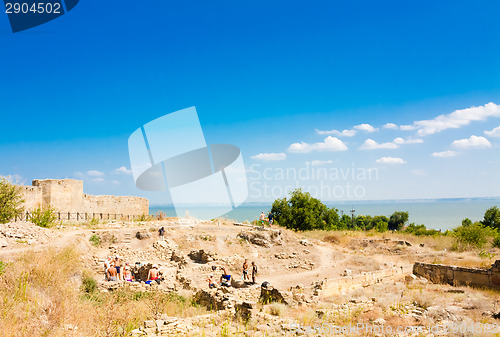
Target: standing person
<point>107,264</point>
<point>262,218</point>
<point>161,233</point>
<point>118,267</point>
<point>270,217</point>
<point>254,272</point>
<point>245,271</point>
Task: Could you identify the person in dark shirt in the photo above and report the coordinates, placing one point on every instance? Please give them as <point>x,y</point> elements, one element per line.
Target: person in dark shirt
<point>254,272</point>
<point>270,217</point>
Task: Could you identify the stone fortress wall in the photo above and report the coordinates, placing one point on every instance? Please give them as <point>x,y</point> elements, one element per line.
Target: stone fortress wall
<point>460,276</point>
<point>66,195</point>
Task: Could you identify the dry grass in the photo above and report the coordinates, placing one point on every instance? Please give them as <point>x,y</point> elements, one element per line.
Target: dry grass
<point>41,295</point>
<point>344,238</point>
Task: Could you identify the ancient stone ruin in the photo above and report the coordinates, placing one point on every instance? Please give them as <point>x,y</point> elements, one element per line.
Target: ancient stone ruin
<point>66,196</point>
<point>460,276</point>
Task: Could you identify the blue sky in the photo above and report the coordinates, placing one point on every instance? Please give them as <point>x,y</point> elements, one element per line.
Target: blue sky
<point>263,76</point>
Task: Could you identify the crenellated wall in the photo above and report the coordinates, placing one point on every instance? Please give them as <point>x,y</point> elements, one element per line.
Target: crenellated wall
<point>66,195</point>
<point>460,276</point>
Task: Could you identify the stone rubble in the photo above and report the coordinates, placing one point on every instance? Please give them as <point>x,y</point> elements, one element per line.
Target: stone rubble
<point>24,233</point>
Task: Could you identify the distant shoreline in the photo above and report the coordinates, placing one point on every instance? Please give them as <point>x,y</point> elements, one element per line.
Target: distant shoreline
<point>439,214</point>
<point>344,202</point>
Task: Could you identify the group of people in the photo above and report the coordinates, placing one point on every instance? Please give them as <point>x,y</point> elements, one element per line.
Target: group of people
<point>225,278</point>
<point>269,219</point>
<point>114,272</point>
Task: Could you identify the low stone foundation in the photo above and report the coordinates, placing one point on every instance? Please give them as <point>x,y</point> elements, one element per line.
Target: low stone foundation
<point>460,276</point>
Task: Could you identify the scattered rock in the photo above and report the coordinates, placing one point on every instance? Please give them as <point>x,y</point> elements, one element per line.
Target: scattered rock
<point>201,256</point>
<point>347,272</point>
<point>143,235</point>
<point>24,233</point>
<point>262,238</point>
<point>244,310</point>
<point>269,294</point>
<point>410,278</point>
<point>149,324</point>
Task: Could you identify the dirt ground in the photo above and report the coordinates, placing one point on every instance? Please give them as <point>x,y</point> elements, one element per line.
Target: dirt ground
<point>291,262</point>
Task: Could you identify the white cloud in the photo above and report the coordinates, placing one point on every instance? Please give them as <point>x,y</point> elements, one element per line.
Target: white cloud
<point>348,132</point>
<point>407,127</point>
<point>329,144</point>
<point>445,154</point>
<point>390,160</point>
<point>269,156</point>
<point>343,133</point>
<point>493,133</point>
<point>370,144</point>
<point>321,162</point>
<point>401,141</point>
<point>457,119</point>
<point>98,180</point>
<point>123,170</point>
<point>472,142</point>
<point>365,127</point>
<point>95,173</point>
<point>390,126</point>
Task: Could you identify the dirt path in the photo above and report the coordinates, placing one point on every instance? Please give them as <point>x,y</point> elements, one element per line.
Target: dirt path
<point>323,270</point>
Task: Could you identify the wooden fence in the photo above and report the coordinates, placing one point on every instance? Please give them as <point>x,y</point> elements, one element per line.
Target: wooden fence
<point>68,216</point>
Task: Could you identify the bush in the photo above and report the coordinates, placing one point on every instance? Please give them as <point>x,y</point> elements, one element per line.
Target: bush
<point>95,240</point>
<point>331,239</point>
<point>381,226</point>
<point>419,230</point>
<point>472,235</point>
<point>44,217</point>
<point>11,202</point>
<point>93,222</point>
<point>89,284</point>
<point>277,309</point>
<point>496,242</point>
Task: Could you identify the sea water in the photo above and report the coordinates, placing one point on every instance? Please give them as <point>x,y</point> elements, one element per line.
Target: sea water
<point>434,214</point>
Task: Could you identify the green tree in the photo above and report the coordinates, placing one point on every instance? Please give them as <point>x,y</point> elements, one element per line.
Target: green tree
<point>11,201</point>
<point>466,222</point>
<point>345,222</point>
<point>397,220</point>
<point>303,212</point>
<point>492,217</point>
<point>363,222</point>
<point>472,235</point>
<point>381,226</point>
<point>331,218</point>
